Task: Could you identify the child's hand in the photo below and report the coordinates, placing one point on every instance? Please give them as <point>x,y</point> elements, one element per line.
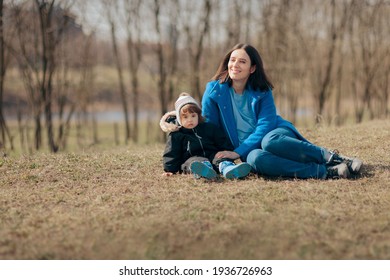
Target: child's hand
<point>166,174</point>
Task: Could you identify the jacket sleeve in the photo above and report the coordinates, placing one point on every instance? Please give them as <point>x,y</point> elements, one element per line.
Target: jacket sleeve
<point>266,121</point>
<point>172,156</point>
<point>209,106</point>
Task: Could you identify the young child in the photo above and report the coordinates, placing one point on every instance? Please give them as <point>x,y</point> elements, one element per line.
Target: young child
<point>193,146</point>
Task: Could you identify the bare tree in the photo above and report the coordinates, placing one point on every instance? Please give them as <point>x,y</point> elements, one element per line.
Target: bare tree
<point>43,65</point>
<point>282,50</point>
<point>383,88</point>
<point>26,52</point>
<point>162,80</point>
<point>234,30</point>
<point>134,53</point>
<point>48,44</point>
<point>172,52</point>
<point>166,51</point>
<point>5,133</point>
<point>52,32</point>
<point>345,13</point>
<point>195,33</point>
<point>369,50</point>
<point>112,8</point>
<point>86,84</point>
<point>325,79</point>
<point>63,87</point>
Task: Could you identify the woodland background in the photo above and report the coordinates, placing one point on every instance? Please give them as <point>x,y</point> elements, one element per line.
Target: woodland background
<point>63,61</point>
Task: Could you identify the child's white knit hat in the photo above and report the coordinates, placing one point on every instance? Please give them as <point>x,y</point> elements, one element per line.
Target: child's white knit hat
<point>184,99</point>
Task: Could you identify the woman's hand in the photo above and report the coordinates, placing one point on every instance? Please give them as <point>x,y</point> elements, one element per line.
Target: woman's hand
<point>167,174</point>
<point>227,154</point>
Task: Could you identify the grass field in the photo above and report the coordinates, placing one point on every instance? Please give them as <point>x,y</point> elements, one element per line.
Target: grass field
<point>114,204</point>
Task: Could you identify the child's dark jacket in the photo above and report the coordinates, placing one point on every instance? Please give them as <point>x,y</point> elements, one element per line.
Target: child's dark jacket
<point>205,140</point>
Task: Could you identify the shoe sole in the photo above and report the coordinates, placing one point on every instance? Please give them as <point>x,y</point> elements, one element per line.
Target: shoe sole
<point>203,170</point>
<point>356,166</point>
<point>238,171</point>
<point>345,173</point>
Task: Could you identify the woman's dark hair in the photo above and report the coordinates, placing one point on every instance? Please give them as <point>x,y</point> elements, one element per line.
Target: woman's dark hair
<point>257,80</point>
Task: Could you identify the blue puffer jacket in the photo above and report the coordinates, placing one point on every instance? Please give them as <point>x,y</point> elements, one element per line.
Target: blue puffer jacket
<point>217,109</point>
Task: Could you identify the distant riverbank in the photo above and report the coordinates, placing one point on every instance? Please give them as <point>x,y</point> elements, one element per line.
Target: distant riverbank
<point>110,116</point>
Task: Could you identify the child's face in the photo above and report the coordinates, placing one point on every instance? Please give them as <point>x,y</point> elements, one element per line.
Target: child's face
<point>189,120</point>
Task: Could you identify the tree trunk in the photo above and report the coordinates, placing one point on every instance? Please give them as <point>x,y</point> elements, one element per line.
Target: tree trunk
<point>3,125</point>
<point>134,53</point>
<point>122,89</point>
<point>48,66</point>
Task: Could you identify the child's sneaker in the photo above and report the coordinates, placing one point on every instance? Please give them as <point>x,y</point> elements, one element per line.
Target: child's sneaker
<point>203,169</point>
<point>230,170</point>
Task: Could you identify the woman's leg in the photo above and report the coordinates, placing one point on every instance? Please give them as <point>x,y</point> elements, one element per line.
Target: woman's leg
<point>266,163</point>
<point>284,143</point>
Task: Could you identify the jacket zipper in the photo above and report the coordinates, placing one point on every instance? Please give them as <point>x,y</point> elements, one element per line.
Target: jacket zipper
<point>200,141</point>
<point>189,148</point>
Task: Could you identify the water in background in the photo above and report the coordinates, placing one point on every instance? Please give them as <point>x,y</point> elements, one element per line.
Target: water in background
<point>118,116</point>
<point>110,116</point>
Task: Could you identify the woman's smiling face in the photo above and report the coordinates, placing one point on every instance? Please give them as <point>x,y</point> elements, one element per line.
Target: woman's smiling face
<point>239,66</point>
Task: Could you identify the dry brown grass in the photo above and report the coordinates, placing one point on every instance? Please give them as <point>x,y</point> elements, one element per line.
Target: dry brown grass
<point>114,204</point>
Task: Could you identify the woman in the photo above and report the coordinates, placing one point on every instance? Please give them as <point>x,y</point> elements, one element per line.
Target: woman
<point>239,100</point>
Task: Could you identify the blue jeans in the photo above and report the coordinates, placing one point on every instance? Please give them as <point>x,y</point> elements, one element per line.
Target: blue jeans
<point>284,155</point>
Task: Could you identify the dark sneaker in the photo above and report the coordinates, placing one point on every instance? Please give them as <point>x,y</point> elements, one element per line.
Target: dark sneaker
<point>203,169</point>
<point>354,164</point>
<point>339,171</point>
<point>232,171</point>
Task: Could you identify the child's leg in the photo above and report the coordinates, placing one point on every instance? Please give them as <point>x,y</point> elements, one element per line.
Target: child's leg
<point>203,169</point>
<point>230,170</point>
<point>186,166</point>
<point>200,167</point>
